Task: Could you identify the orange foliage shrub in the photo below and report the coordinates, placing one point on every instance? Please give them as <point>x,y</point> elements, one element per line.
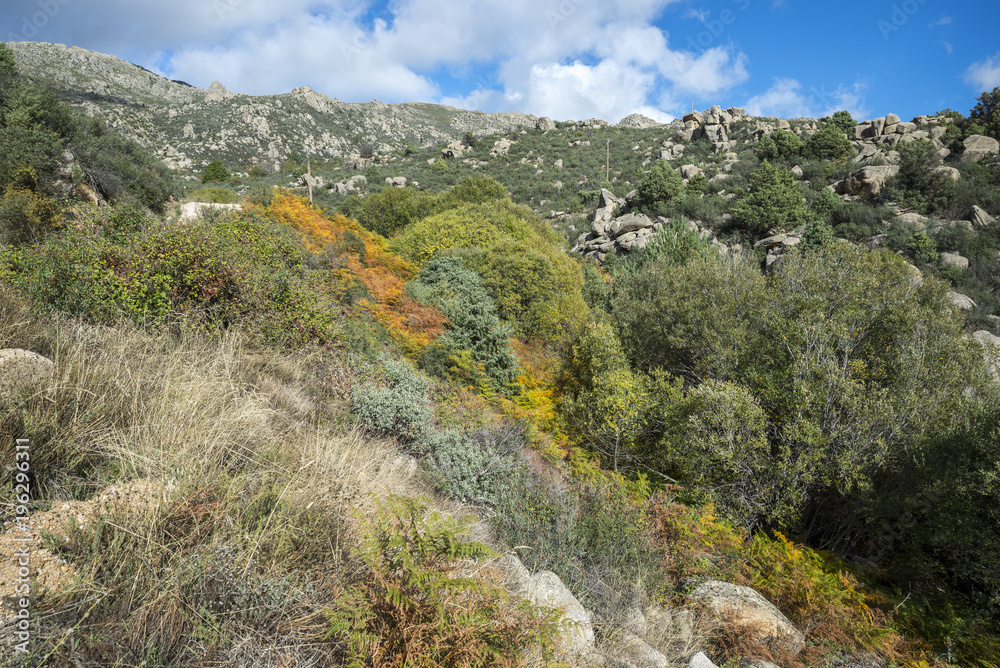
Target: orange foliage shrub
<point>359,257</point>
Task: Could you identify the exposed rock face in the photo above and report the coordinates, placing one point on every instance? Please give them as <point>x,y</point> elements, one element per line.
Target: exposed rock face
<point>978,147</point>
<point>193,210</point>
<point>188,126</point>
<point>545,123</point>
<point>979,218</point>
<point>955,260</point>
<point>699,660</point>
<point>749,607</point>
<point>961,302</point>
<point>22,370</point>
<point>637,121</point>
<point>868,181</point>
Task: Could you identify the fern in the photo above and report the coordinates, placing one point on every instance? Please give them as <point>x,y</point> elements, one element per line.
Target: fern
<point>411,610</point>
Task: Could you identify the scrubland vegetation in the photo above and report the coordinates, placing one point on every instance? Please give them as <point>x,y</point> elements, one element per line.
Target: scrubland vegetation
<point>352,412</point>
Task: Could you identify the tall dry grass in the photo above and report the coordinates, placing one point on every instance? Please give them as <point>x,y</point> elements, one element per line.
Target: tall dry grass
<point>234,561</point>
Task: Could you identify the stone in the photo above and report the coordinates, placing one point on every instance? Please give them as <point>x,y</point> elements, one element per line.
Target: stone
<point>797,172</point>
<point>862,130</point>
<point>23,370</point>
<point>877,125</point>
<point>635,652</point>
<point>979,218</point>
<point>891,119</point>
<point>687,171</point>
<point>978,147</point>
<point>699,660</point>
<point>632,222</point>
<point>913,221</point>
<point>784,125</point>
<point>788,242</point>
<point>916,276</point>
<point>961,302</point>
<point>194,210</point>
<point>694,117</point>
<point>949,172</point>
<point>747,606</point>
<point>954,260</point>
<point>905,128</point>
<point>771,242</point>
<point>868,181</point>
<point>995,321</point>
<point>991,351</point>
<point>545,123</point>
<point>501,147</point>
<point>546,589</point>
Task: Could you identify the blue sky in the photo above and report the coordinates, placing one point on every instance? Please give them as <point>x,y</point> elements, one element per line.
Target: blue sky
<point>559,58</point>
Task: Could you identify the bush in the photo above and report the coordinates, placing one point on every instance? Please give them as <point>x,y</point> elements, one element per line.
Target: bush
<point>392,209</point>
<point>829,143</point>
<point>215,171</point>
<point>843,121</point>
<point>26,217</point>
<point>772,199</point>
<point>475,350</point>
<point>923,248</point>
<point>214,195</point>
<point>658,189</point>
<point>400,410</point>
<point>470,225</point>
<point>987,113</point>
<point>475,466</point>
<point>779,145</point>
<point>917,185</point>
<point>816,232</point>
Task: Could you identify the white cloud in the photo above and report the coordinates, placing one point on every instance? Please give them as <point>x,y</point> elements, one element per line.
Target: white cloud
<point>787,99</point>
<point>571,58</point>
<point>984,75</point>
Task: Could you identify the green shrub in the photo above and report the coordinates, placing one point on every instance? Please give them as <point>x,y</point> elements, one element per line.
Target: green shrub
<point>829,143</point>
<point>536,286</point>
<point>987,113</point>
<point>843,121</point>
<point>917,185</point>
<point>697,184</point>
<point>476,348</point>
<point>26,217</point>
<point>816,232</point>
<point>214,195</point>
<point>469,225</point>
<point>400,410</point>
<point>779,145</point>
<point>772,199</point>
<point>390,210</point>
<point>923,248</point>
<point>215,171</point>
<point>659,187</point>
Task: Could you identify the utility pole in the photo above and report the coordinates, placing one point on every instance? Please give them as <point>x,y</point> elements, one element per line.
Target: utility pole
<point>607,164</point>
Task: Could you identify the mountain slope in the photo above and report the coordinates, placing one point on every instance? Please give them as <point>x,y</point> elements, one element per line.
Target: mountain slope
<point>189,126</point>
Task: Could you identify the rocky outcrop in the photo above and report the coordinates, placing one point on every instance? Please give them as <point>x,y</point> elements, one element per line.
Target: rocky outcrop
<point>637,121</point>
<point>979,218</point>
<point>746,607</point>
<point>713,124</point>
<point>954,260</point>
<point>194,210</point>
<point>353,184</point>
<point>23,370</point>
<point>978,147</point>
<point>866,182</point>
<point>960,301</point>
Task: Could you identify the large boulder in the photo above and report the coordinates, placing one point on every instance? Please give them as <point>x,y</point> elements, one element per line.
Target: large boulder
<point>868,181</point>
<point>545,123</point>
<point>699,660</point>
<point>961,302</point>
<point>546,589</point>
<point>22,370</point>
<point>978,217</point>
<point>978,147</point>
<point>954,260</point>
<point>633,651</point>
<point>745,606</point>
<point>195,210</point>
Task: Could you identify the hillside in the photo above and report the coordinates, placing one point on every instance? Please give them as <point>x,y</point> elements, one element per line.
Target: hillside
<point>189,126</point>
<point>729,398</point>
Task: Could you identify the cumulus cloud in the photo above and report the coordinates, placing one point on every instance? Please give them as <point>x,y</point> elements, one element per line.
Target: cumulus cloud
<point>984,75</point>
<point>572,58</point>
<point>787,99</point>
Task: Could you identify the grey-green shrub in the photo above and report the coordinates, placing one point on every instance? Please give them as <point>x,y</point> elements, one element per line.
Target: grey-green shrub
<point>474,466</point>
<point>400,410</point>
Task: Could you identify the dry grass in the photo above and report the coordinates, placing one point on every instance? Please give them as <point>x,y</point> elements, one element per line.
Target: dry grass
<point>235,569</point>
